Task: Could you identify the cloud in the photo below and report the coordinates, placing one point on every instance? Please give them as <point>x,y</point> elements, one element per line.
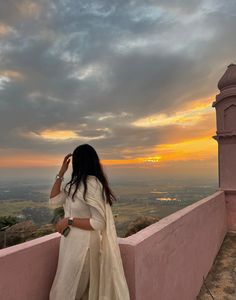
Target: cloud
<point>183,118</point>
<point>97,71</point>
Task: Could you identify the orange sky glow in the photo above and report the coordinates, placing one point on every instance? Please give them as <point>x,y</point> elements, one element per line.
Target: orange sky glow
<point>202,147</point>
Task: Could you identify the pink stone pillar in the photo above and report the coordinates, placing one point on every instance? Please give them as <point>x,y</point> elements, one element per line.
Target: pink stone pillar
<point>225,106</point>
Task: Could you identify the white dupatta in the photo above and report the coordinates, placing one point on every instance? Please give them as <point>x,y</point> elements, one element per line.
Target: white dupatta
<point>112,281</point>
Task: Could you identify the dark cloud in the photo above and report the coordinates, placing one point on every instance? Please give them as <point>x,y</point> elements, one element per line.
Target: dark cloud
<point>182,6</point>
<point>81,60</point>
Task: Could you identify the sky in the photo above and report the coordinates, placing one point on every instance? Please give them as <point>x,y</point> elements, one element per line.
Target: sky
<point>134,79</point>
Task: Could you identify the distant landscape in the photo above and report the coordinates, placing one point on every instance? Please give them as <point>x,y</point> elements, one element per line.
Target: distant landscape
<point>29,201</point>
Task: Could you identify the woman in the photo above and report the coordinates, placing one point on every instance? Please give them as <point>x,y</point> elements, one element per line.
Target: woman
<point>89,264</point>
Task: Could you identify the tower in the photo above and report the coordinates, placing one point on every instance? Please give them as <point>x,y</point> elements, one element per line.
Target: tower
<point>225,106</point>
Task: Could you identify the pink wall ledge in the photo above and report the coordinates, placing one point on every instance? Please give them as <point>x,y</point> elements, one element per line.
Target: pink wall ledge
<point>168,259</point>
<point>165,261</point>
<point>27,270</point>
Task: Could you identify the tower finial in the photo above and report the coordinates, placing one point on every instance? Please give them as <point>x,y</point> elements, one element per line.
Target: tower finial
<point>228,80</point>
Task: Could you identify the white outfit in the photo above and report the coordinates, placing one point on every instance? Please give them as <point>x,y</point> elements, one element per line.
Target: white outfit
<point>89,264</point>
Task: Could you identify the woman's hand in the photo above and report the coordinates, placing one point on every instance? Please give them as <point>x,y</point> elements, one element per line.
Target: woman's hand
<point>65,164</point>
<point>61,225</point>
<point>56,189</point>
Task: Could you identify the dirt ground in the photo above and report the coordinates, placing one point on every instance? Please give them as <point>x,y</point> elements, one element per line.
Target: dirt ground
<point>220,283</point>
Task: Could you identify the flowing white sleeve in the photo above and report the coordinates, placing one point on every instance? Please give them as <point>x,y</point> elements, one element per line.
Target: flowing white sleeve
<point>58,200</point>
<point>94,192</point>
<point>96,221</point>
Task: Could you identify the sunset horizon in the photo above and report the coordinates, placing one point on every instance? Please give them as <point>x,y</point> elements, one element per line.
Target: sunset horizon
<point>131,85</point>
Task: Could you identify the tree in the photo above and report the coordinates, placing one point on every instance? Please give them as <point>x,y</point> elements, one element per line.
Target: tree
<point>58,214</point>
<point>8,220</point>
<point>140,223</point>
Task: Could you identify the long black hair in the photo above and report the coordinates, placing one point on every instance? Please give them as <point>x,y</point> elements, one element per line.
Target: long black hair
<point>85,162</point>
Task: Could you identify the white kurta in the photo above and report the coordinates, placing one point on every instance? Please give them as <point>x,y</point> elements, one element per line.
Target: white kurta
<point>89,254</point>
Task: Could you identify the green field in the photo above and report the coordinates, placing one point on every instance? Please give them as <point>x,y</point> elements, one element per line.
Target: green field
<point>15,207</point>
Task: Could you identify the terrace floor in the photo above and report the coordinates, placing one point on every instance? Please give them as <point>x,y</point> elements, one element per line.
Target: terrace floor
<point>220,283</point>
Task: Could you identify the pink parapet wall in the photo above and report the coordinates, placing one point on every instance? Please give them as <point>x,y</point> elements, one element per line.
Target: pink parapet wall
<point>225,106</point>
<point>165,261</point>
<point>27,270</point>
<point>172,256</point>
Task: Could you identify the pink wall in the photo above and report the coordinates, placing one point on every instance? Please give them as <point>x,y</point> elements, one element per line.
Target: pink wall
<point>172,256</point>
<point>27,269</point>
<point>164,261</point>
<point>230,200</point>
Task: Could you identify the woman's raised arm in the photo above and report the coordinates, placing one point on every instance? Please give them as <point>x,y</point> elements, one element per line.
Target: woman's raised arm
<point>57,196</point>
<point>56,188</point>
